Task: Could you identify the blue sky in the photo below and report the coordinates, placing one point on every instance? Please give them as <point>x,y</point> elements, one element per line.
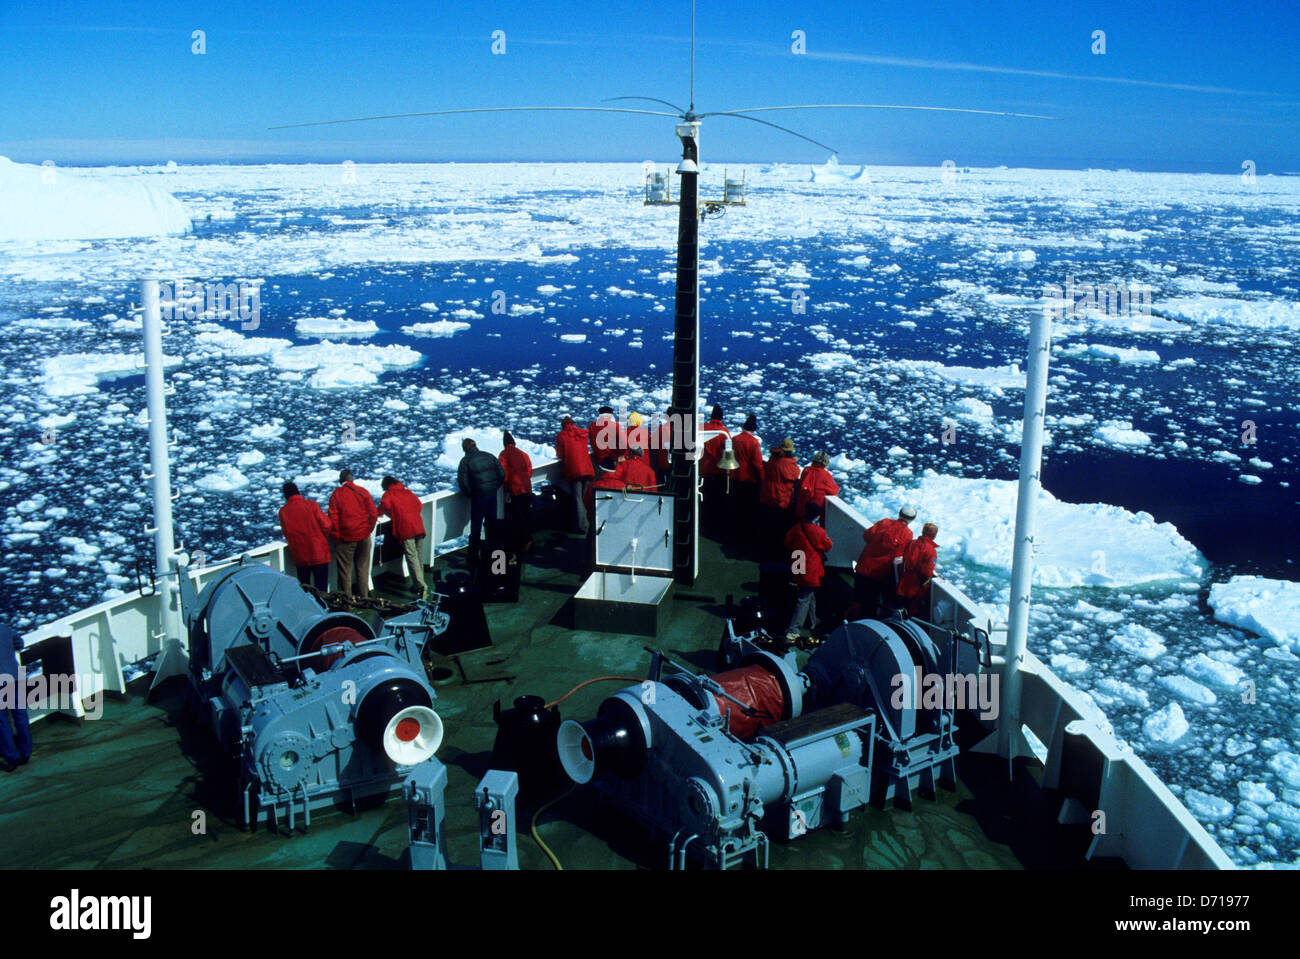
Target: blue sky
<point>1199,86</point>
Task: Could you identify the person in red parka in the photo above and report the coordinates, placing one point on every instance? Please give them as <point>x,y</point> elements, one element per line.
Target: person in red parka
<point>776,495</point>
<point>745,482</point>
<point>638,431</point>
<point>713,505</point>
<point>808,545</point>
<point>307,531</point>
<point>873,575</point>
<point>608,437</point>
<point>519,487</point>
<point>816,483</point>
<point>572,451</point>
<point>353,513</point>
<point>636,472</point>
<point>406,525</point>
<point>918,569</point>
<point>713,447</point>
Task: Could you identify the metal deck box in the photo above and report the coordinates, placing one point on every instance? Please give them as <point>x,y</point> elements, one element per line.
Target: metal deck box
<point>634,556</point>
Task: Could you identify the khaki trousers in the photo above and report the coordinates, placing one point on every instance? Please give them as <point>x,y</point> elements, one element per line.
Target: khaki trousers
<point>353,558</point>
<point>414,562</point>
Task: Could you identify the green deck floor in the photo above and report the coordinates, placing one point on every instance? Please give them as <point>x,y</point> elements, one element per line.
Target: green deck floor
<point>126,791</point>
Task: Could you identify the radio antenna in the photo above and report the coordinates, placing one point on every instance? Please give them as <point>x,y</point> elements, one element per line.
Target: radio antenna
<point>684,409</point>
<point>692,110</point>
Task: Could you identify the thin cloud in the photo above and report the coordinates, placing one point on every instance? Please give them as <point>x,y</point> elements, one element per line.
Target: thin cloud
<point>1018,71</point>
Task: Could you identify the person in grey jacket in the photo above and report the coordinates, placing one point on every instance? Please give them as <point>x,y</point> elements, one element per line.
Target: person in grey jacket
<point>15,739</point>
<point>480,476</point>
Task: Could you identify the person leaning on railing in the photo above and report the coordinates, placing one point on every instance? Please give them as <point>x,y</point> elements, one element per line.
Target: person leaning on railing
<point>918,569</point>
<point>479,477</point>
<point>353,513</point>
<point>307,531</point>
<point>571,449</point>
<point>519,487</point>
<point>406,525</point>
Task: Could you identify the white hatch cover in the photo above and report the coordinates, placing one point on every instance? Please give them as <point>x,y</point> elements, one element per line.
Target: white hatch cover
<point>634,530</point>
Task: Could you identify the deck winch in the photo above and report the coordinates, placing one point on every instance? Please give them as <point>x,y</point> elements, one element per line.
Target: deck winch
<point>716,763</point>
<point>317,707</point>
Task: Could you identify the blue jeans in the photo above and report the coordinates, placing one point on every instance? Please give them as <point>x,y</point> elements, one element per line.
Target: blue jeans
<point>480,508</point>
<point>14,747</point>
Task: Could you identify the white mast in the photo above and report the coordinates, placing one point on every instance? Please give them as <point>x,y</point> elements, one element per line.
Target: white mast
<point>1010,738</point>
<point>165,559</point>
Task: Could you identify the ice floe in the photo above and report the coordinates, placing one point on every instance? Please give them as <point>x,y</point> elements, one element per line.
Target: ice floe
<point>1267,607</point>
<point>1078,544</point>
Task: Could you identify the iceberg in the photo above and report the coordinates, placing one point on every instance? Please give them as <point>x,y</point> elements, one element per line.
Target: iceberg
<point>832,172</point>
<point>51,203</point>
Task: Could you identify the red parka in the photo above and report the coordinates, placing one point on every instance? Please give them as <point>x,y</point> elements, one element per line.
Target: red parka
<point>519,470</point>
<point>810,540</point>
<point>307,531</point>
<point>608,438</point>
<point>918,566</point>
<point>571,450</point>
<point>635,471</point>
<point>749,451</point>
<point>815,485</point>
<point>713,449</point>
<point>353,513</point>
<point>780,474</point>
<point>885,541</point>
<point>612,480</point>
<point>404,507</point>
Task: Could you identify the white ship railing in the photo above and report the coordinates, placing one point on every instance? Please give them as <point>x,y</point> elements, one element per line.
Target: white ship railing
<point>1144,823</point>
<point>109,638</point>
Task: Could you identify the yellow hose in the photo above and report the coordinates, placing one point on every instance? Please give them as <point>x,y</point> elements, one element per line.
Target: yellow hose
<point>537,838</point>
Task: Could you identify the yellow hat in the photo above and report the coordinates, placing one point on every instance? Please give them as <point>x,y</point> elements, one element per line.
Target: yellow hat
<point>634,419</point>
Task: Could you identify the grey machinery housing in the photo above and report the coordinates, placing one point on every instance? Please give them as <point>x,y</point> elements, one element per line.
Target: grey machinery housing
<point>705,768</point>
<point>317,708</point>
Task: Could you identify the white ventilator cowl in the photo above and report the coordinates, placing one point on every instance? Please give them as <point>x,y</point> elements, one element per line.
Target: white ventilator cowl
<point>412,735</point>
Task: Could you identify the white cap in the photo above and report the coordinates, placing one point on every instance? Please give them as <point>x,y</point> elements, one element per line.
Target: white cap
<point>908,511</point>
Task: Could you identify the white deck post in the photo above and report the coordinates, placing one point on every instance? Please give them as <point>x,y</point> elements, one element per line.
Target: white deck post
<point>169,615</point>
<point>1011,741</point>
